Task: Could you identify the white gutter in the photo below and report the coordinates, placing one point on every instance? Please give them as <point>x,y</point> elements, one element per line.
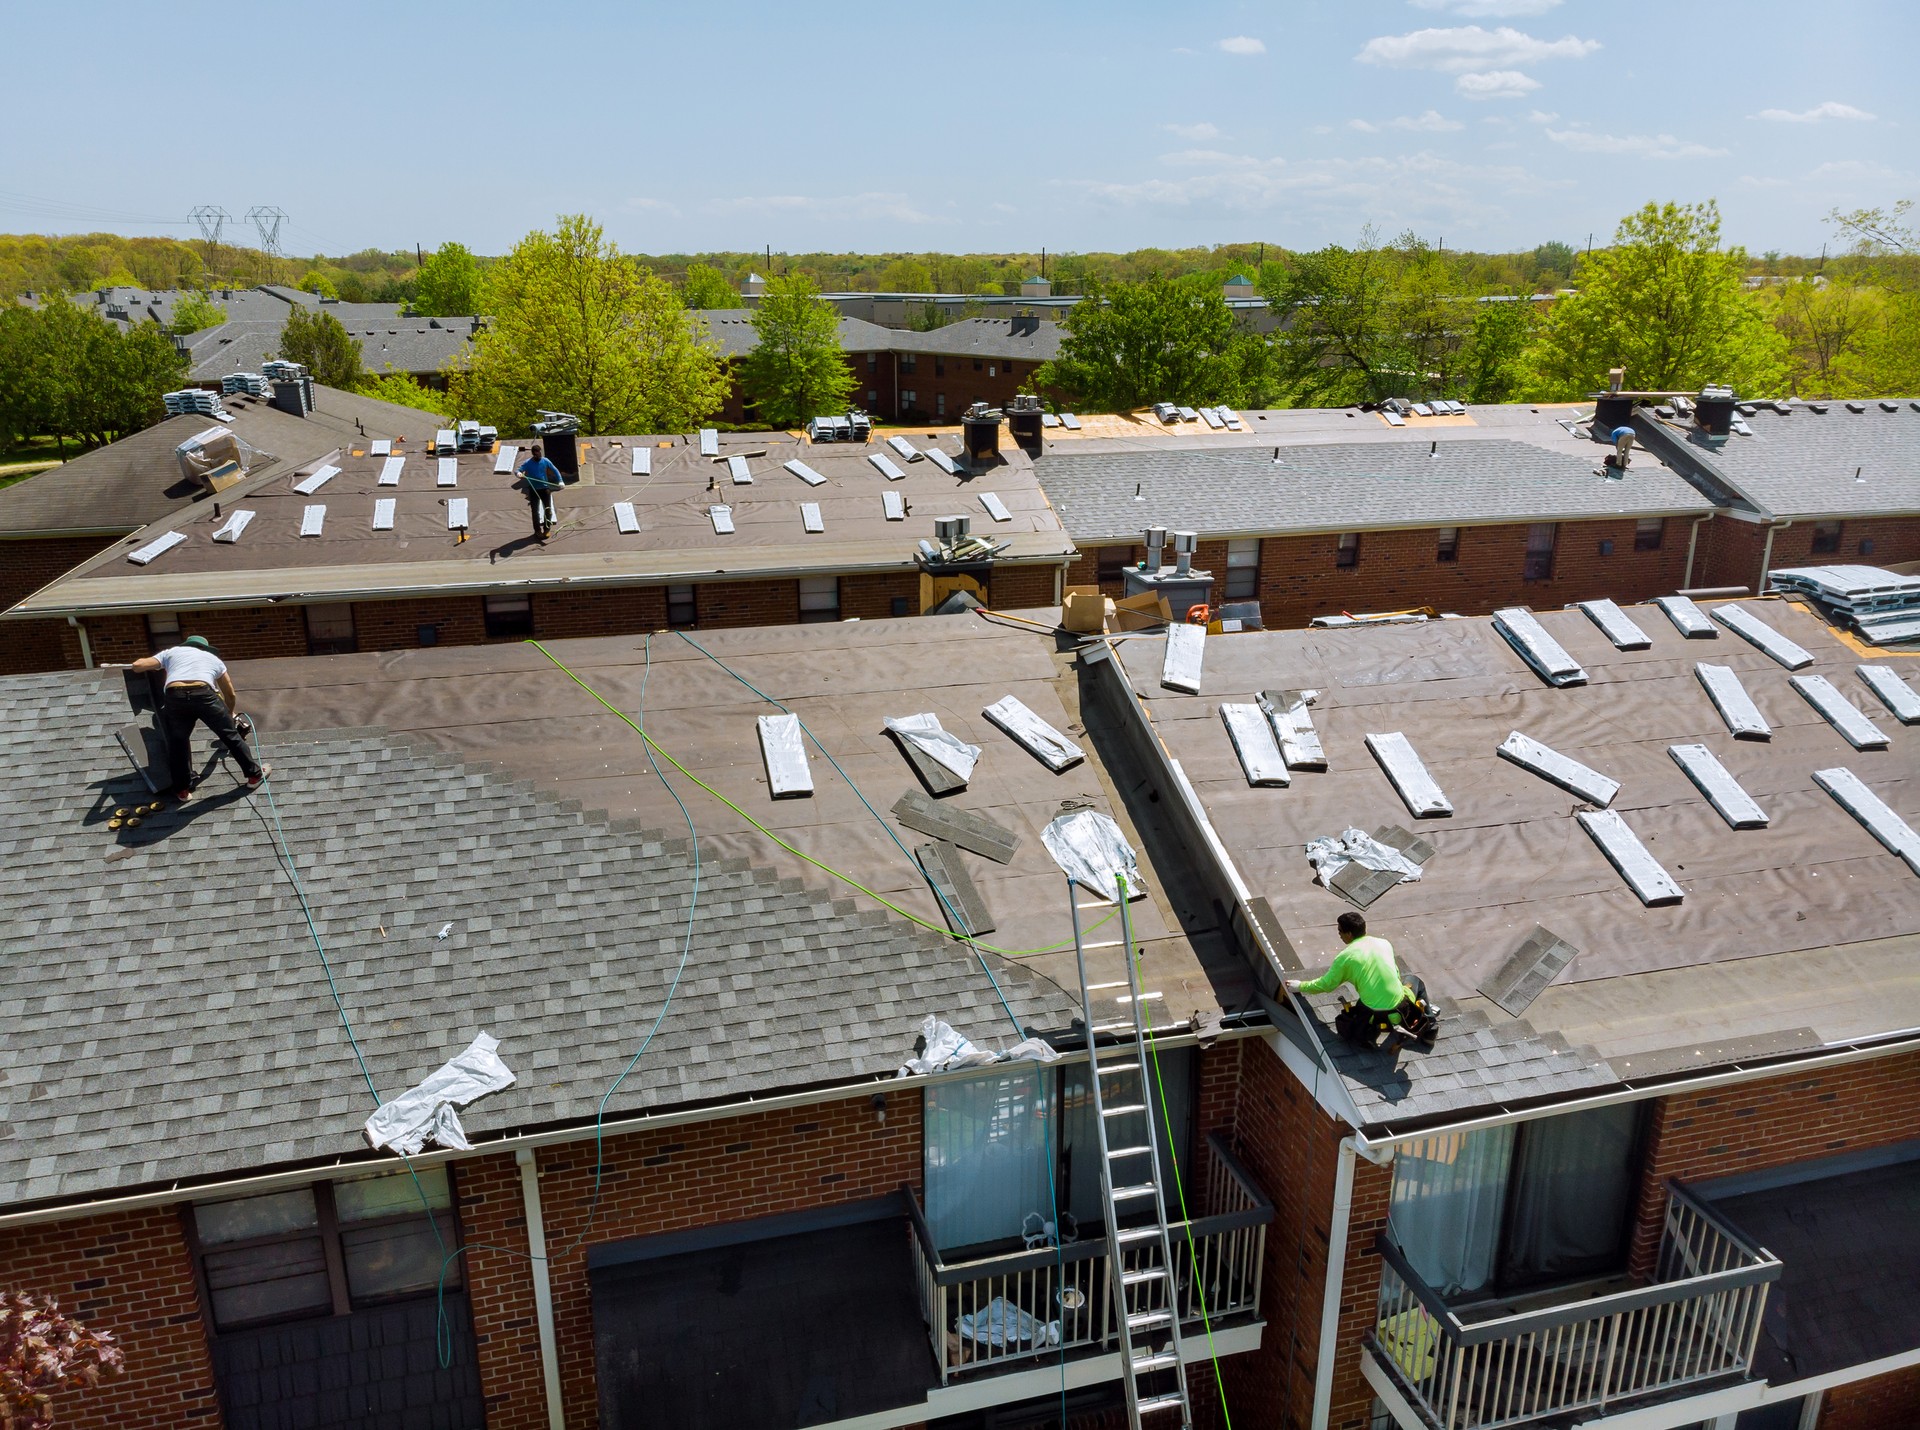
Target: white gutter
<point>1693,540</point>
<point>1337,1233</point>
<point>86,646</point>
<point>542,1287</point>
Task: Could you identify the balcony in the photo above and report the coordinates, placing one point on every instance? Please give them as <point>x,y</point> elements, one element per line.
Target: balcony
<point>999,1313</point>
<point>1694,1326</point>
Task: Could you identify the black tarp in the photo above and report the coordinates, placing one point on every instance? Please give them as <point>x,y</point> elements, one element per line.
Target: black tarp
<point>762,1334</point>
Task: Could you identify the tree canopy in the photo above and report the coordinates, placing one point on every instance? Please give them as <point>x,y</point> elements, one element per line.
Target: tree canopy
<point>797,371</point>
<point>448,284</point>
<point>1161,340</point>
<point>708,288</point>
<point>1667,303</point>
<point>326,348</point>
<point>67,372</point>
<point>578,326</point>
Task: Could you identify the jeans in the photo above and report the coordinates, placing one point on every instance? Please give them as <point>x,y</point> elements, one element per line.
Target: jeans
<point>199,704</point>
<point>540,503</point>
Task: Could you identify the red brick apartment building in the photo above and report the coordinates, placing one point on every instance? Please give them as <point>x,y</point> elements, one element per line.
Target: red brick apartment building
<point>702,531</point>
<point>1656,1170</point>
<point>54,521</point>
<point>909,376</point>
<point>1316,512</point>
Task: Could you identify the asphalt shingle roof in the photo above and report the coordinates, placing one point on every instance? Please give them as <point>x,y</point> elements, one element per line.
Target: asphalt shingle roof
<point>163,1013</point>
<point>1219,491</point>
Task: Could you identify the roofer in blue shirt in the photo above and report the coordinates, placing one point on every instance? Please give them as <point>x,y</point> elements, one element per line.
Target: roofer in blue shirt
<point>199,691</point>
<point>541,480</point>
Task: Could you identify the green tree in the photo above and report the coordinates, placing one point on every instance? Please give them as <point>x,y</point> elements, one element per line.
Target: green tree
<point>1160,340</point>
<point>316,282</point>
<point>194,312</point>
<point>399,388</point>
<point>797,370</point>
<point>1665,302</point>
<point>707,288</point>
<point>327,349</point>
<point>448,284</point>
<point>580,327</point>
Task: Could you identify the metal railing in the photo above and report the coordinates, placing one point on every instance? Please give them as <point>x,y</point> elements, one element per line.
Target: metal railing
<point>1697,1322</point>
<point>1008,1310</point>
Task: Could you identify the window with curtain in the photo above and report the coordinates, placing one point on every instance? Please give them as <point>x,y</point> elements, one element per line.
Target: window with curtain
<point>1505,1208</point>
<point>988,1141</point>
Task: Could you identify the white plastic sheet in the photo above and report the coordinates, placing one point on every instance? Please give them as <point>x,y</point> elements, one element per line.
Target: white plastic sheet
<point>948,750</point>
<point>1093,852</point>
<point>1329,855</point>
<point>425,1113</point>
<point>1036,736</point>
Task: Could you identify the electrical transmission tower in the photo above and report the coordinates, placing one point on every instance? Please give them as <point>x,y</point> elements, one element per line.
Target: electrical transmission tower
<point>212,219</point>
<point>266,221</point>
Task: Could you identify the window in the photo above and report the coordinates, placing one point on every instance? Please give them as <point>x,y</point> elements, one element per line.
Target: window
<point>330,630</point>
<point>1826,537</point>
<point>1347,554</point>
<point>163,630</point>
<point>509,616</point>
<point>1649,532</point>
<point>1504,1208</point>
<point>1243,569</point>
<point>325,1249</point>
<point>683,611</point>
<point>909,361</point>
<point>1447,544</point>
<point>987,1141</point>
<point>1539,563</point>
<point>819,598</point>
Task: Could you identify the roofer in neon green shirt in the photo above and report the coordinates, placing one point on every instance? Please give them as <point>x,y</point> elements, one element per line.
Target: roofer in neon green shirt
<point>1369,965</point>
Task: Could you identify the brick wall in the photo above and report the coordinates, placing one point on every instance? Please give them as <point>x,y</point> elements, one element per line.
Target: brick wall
<point>1293,1149</point>
<point>25,566</point>
<point>1771,1123</point>
<point>128,1274</point>
<point>1886,1402</point>
<point>699,1175</point>
<point>1397,569</point>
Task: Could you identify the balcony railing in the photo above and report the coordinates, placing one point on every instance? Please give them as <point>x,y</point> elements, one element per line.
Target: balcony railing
<point>1697,1322</point>
<point>1004,1311</point>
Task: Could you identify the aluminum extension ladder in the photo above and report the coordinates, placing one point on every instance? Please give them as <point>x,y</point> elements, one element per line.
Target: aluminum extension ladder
<point>1145,1292</point>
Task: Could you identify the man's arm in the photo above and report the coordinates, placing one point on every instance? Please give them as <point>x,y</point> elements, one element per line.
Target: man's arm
<point>224,684</point>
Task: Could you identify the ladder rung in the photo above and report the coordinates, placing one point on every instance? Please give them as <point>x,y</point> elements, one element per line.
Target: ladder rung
<point>1154,1360</point>
<point>1124,1109</point>
<point>1175,1401</point>
<point>1147,1320</point>
<point>1137,1233</point>
<point>1135,1278</point>
<point>1128,1194</point>
<point>1118,1152</point>
<point>1105,1068</point>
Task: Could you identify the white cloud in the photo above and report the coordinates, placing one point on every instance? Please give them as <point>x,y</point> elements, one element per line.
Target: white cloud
<point>1496,84</point>
<point>1640,146</point>
<point>1432,122</point>
<point>1487,9</point>
<point>1194,132</point>
<point>1832,109</point>
<point>1469,47</point>
<point>1243,45</point>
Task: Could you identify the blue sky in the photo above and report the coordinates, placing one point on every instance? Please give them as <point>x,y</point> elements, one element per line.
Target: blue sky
<point>978,126</point>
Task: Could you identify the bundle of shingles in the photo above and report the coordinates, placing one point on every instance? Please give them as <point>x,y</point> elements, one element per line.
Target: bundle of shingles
<point>1883,606</point>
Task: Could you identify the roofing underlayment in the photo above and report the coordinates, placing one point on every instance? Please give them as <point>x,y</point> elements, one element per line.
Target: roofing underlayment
<point>670,502</point>
<point>163,1013</point>
<point>1804,932</point>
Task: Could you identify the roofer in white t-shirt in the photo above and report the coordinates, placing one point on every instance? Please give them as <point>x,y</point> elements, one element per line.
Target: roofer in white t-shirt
<point>199,692</point>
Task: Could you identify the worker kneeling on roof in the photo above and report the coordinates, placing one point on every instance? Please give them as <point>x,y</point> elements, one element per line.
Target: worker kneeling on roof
<point>1388,1000</point>
<point>199,691</point>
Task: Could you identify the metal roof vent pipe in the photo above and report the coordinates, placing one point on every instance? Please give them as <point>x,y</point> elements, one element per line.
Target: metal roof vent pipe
<point>1156,543</point>
<point>1183,545</point>
<point>1713,413</point>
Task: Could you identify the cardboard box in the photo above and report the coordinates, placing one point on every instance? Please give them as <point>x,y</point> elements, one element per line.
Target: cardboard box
<point>1084,610</point>
<point>1144,612</point>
